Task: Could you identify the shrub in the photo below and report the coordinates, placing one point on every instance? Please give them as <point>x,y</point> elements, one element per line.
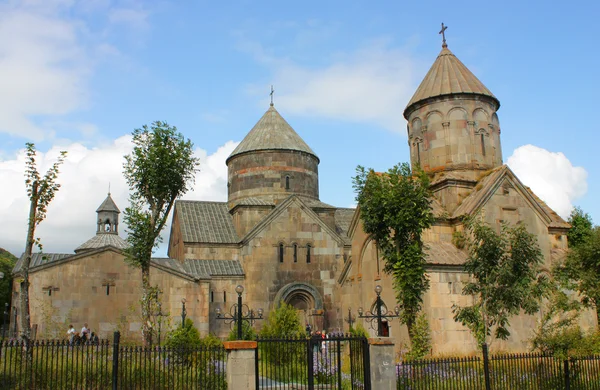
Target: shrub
<point>420,339</point>
<point>283,322</point>
<point>185,336</point>
<point>248,332</point>
<point>359,331</point>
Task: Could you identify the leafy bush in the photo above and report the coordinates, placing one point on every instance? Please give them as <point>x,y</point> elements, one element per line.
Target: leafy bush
<point>185,336</point>
<point>567,342</point>
<point>420,338</point>
<point>359,331</point>
<point>283,322</point>
<point>248,332</point>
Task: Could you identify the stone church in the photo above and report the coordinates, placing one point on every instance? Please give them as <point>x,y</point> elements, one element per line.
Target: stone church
<point>275,237</point>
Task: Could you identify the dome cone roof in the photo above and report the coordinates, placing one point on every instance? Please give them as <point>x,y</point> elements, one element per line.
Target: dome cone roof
<point>448,76</point>
<point>108,205</point>
<point>271,132</point>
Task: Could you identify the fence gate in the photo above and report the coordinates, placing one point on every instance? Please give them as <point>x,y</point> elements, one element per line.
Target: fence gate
<point>336,362</point>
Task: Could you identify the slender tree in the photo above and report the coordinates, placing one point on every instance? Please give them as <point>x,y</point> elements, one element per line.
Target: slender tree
<point>41,191</point>
<point>395,209</point>
<point>160,169</point>
<point>580,269</point>
<point>505,270</point>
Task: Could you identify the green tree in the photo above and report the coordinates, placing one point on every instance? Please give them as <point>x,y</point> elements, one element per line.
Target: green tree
<point>420,339</point>
<point>160,169</point>
<point>581,227</point>
<point>580,270</point>
<point>395,208</point>
<point>505,270</point>
<point>41,191</point>
<point>7,263</point>
<point>248,332</point>
<point>283,321</point>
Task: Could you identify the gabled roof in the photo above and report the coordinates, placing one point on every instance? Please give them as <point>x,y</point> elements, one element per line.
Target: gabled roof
<point>38,259</point>
<point>486,187</point>
<point>283,206</point>
<point>214,267</point>
<point>343,218</point>
<point>448,76</point>
<point>205,222</point>
<point>101,240</point>
<point>444,253</point>
<point>271,132</point>
<point>108,205</point>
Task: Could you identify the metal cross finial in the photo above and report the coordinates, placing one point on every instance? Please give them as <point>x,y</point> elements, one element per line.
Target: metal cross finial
<point>272,92</point>
<point>443,32</point>
<point>108,188</point>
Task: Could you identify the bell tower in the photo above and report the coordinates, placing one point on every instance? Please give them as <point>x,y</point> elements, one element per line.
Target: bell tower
<point>453,128</point>
<point>452,120</point>
<point>108,217</point>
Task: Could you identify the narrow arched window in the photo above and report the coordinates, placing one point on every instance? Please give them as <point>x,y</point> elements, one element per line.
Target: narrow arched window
<point>287,182</point>
<point>281,253</point>
<point>295,253</point>
<point>482,144</point>
<point>212,296</point>
<point>224,296</point>
<point>308,253</point>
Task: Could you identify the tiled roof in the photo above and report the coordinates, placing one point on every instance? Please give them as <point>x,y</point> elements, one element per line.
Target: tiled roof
<point>486,185</point>
<point>254,202</point>
<point>205,222</point>
<point>444,253</point>
<point>447,76</point>
<point>214,267</point>
<point>38,259</point>
<point>101,240</point>
<point>271,132</point>
<point>177,266</point>
<point>108,205</point>
<point>343,217</point>
<point>315,203</point>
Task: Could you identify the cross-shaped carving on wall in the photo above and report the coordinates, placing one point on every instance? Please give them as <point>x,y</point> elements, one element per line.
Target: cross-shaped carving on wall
<point>108,283</point>
<point>50,289</point>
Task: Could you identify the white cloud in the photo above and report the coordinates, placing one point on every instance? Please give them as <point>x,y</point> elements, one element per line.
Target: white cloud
<point>370,85</point>
<point>550,175</point>
<point>48,53</point>
<point>42,66</point>
<point>84,180</point>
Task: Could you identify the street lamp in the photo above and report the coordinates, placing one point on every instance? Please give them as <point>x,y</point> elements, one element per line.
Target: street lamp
<point>350,320</point>
<point>183,312</point>
<point>381,312</point>
<point>239,312</point>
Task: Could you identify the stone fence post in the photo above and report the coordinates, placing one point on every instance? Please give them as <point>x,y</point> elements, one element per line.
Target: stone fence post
<point>241,364</point>
<point>383,365</point>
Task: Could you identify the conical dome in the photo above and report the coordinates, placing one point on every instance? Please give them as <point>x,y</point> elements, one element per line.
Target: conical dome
<point>271,163</point>
<point>271,132</point>
<point>448,76</point>
<point>108,205</point>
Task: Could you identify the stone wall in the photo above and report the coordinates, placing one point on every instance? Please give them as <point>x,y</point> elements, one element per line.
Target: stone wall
<point>81,296</point>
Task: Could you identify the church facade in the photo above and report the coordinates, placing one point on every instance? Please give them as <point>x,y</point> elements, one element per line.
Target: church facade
<point>275,237</point>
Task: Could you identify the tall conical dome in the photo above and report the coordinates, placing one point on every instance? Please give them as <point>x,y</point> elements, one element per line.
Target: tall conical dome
<point>452,121</point>
<point>271,163</point>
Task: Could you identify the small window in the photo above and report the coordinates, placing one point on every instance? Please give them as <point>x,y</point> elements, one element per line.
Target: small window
<point>212,296</point>
<point>308,254</point>
<point>482,145</point>
<point>287,182</point>
<point>281,248</point>
<point>419,154</point>
<point>224,296</point>
<point>295,253</point>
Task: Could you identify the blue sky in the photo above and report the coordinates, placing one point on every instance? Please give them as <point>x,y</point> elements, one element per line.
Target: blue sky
<point>81,75</point>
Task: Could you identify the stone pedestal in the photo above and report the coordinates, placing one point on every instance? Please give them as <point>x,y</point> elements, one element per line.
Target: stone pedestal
<point>241,365</point>
<point>383,365</point>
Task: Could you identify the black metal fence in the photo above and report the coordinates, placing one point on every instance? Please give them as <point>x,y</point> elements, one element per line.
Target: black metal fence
<point>60,365</point>
<point>527,371</point>
<point>336,362</point>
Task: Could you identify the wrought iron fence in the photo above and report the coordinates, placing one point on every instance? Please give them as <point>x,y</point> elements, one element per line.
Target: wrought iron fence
<point>335,362</point>
<point>104,365</point>
<point>507,371</point>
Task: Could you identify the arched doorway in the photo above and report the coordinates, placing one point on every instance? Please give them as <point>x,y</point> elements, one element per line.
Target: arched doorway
<point>307,301</point>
